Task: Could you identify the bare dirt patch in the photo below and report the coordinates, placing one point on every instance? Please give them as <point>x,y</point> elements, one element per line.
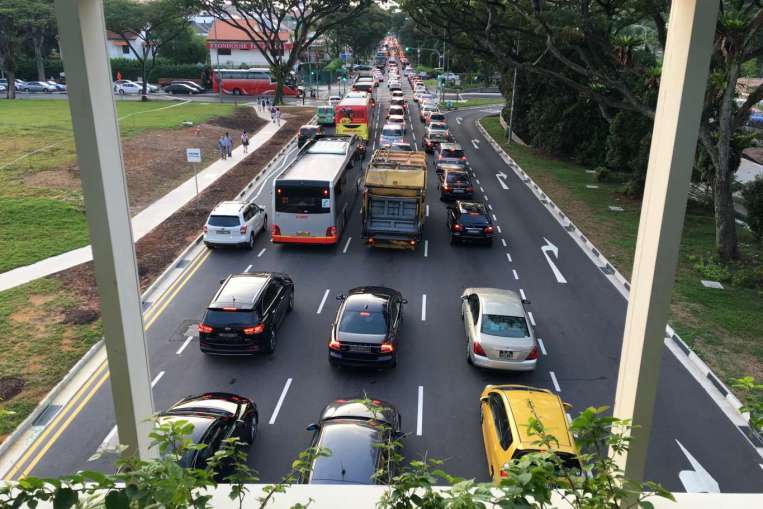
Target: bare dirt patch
<point>155,161</point>
<point>10,386</point>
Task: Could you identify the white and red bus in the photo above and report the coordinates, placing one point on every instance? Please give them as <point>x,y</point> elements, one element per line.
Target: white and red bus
<point>253,81</point>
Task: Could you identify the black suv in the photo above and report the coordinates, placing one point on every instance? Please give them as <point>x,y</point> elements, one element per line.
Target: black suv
<point>469,221</point>
<point>245,313</point>
<point>455,184</point>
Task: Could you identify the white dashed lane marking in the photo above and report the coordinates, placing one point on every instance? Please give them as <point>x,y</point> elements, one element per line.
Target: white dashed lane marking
<point>323,301</point>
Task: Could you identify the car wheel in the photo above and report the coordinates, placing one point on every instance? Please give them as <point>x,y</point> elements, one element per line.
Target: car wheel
<point>252,430</point>
<point>291,300</point>
<point>210,246</point>
<point>489,242</point>
<point>272,341</point>
<point>121,92</point>
<point>468,354</point>
<point>250,245</point>
<point>265,223</point>
<point>452,240</point>
<point>236,91</point>
<point>394,361</point>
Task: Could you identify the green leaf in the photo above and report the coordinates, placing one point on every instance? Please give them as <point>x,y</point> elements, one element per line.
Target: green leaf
<point>117,500</point>
<point>65,498</point>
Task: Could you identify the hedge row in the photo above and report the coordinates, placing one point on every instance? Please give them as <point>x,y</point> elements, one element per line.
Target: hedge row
<point>130,69</point>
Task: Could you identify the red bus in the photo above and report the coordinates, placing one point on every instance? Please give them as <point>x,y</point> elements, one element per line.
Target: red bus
<point>352,116</point>
<point>250,82</point>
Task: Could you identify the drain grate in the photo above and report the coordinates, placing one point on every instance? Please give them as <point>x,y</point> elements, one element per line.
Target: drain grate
<point>47,415</point>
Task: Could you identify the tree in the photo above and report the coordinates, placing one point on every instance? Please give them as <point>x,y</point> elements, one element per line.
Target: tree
<point>283,31</point>
<point>186,48</point>
<point>599,49</point>
<point>364,34</point>
<point>18,19</point>
<point>41,29</point>
<point>146,26</point>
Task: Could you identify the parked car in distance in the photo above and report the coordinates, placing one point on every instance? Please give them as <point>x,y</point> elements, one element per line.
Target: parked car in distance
<point>60,87</point>
<point>365,331</point>
<point>180,88</point>
<point>352,430</point>
<point>33,86</point>
<point>234,223</point>
<point>307,132</point>
<point>498,333</point>
<point>3,87</point>
<point>244,315</point>
<point>215,417</point>
<point>505,413</point>
<point>190,83</point>
<point>127,88</point>
<point>469,221</point>
<point>455,184</point>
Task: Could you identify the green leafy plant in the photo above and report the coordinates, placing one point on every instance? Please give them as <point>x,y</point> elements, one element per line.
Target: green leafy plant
<point>712,269</point>
<point>752,392</point>
<point>753,202</point>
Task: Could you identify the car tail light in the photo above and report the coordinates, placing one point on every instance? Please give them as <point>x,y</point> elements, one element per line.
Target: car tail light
<point>488,229</point>
<point>413,243</point>
<point>242,230</point>
<point>457,228</point>
<point>477,349</point>
<point>470,189</point>
<point>445,187</point>
<point>335,345</point>
<point>257,329</point>
<point>206,229</point>
<point>275,230</point>
<point>331,231</point>
<point>463,158</point>
<point>533,354</point>
<point>206,329</point>
<point>387,348</point>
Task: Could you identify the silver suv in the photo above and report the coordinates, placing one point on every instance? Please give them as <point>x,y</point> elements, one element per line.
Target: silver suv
<point>234,223</point>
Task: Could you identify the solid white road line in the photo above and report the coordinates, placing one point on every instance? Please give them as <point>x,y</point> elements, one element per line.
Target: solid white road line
<point>498,227</point>
<point>488,205</point>
<point>522,294</point>
<point>262,252</point>
<point>414,136</point>
<point>482,189</point>
<point>555,381</point>
<point>347,245</point>
<point>426,248</point>
<point>248,268</point>
<point>508,257</point>
<point>542,346</point>
<point>503,241</point>
<point>323,301</point>
<point>420,412</point>
<point>156,379</point>
<point>495,218</point>
<point>427,210</point>
<point>477,181</point>
<point>423,307</point>
<point>516,276</point>
<point>185,344</point>
<point>531,317</point>
<point>280,402</point>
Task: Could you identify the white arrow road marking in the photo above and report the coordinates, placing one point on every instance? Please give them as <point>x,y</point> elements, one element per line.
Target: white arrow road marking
<point>552,248</point>
<point>459,120</point>
<point>697,480</point>
<point>476,144</point>
<point>500,176</point>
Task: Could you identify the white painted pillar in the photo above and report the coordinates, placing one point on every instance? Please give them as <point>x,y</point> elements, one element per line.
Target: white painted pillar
<point>674,139</point>
<point>96,133</point>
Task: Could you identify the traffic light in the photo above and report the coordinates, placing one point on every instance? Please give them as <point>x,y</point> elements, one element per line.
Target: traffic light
<point>407,48</point>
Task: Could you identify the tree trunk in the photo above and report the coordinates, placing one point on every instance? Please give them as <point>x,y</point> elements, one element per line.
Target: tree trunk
<point>725,220</point>
<point>11,73</point>
<point>37,42</point>
<point>144,77</point>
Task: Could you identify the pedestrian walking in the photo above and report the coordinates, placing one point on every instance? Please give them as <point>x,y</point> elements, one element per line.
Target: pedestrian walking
<point>273,114</point>
<point>221,146</point>
<point>245,141</point>
<point>229,144</point>
<point>278,116</point>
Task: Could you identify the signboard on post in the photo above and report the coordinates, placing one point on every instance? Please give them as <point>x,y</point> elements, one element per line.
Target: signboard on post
<point>193,155</point>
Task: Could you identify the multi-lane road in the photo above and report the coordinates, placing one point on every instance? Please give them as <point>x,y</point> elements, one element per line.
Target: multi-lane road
<point>580,322</point>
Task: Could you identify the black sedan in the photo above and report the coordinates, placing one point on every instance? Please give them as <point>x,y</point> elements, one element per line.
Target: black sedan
<point>455,184</point>
<point>365,332</point>
<point>470,221</point>
<point>180,88</point>
<point>245,313</point>
<point>215,416</point>
<point>350,429</point>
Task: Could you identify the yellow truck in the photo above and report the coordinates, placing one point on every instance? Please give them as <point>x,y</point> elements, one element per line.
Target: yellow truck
<point>394,199</point>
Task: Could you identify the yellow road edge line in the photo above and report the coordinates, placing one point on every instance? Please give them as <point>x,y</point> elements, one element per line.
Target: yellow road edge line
<point>166,302</point>
<point>65,425</point>
<point>60,415</point>
<point>182,280</point>
<point>172,285</point>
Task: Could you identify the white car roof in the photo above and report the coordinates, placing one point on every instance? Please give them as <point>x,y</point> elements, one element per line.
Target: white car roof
<point>228,208</point>
<point>496,301</point>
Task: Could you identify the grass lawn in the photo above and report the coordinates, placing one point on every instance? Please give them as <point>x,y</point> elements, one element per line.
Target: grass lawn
<point>34,316</point>
<point>37,221</point>
<point>476,101</point>
<point>723,326</point>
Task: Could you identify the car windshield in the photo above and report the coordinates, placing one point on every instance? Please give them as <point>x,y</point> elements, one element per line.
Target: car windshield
<point>457,177</point>
<point>474,219</point>
<point>363,322</point>
<point>505,326</point>
<point>392,132</point>
<point>452,153</point>
<point>353,455</point>
<point>219,318</point>
<point>223,221</point>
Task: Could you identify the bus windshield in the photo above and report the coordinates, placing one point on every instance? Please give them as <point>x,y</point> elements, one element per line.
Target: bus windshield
<point>298,198</point>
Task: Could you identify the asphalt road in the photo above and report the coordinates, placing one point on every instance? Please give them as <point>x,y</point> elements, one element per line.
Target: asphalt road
<point>580,323</point>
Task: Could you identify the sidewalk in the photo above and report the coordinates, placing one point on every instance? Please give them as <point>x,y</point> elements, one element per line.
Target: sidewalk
<point>149,218</point>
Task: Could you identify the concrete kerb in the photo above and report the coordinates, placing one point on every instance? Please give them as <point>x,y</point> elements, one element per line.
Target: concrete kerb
<point>98,347</point>
<point>623,285</point>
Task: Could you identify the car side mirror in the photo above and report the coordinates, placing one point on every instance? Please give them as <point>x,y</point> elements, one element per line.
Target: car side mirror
<point>484,399</point>
<point>405,301</point>
<point>222,281</point>
<point>567,406</point>
<point>340,296</point>
<point>312,427</point>
<point>525,301</point>
<point>464,297</point>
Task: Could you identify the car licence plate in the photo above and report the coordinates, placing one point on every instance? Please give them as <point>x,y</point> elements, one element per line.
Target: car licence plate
<point>360,348</point>
<point>505,354</point>
<point>303,234</point>
<point>228,335</point>
<point>473,230</point>
<point>224,232</point>
<point>458,190</point>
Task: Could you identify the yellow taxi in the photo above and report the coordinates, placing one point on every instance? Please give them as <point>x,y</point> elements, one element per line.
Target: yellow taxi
<point>505,413</point>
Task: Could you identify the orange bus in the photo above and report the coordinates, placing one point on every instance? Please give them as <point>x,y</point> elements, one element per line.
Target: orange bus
<point>254,81</point>
<point>353,115</point>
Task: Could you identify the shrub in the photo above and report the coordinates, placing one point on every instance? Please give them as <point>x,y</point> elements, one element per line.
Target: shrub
<point>712,269</point>
<point>748,277</point>
<point>753,202</point>
<point>603,174</point>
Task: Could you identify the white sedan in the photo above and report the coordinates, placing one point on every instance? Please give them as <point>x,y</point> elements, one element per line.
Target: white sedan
<point>127,88</point>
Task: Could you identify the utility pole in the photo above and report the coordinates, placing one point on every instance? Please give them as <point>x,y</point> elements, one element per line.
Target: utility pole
<point>510,129</point>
